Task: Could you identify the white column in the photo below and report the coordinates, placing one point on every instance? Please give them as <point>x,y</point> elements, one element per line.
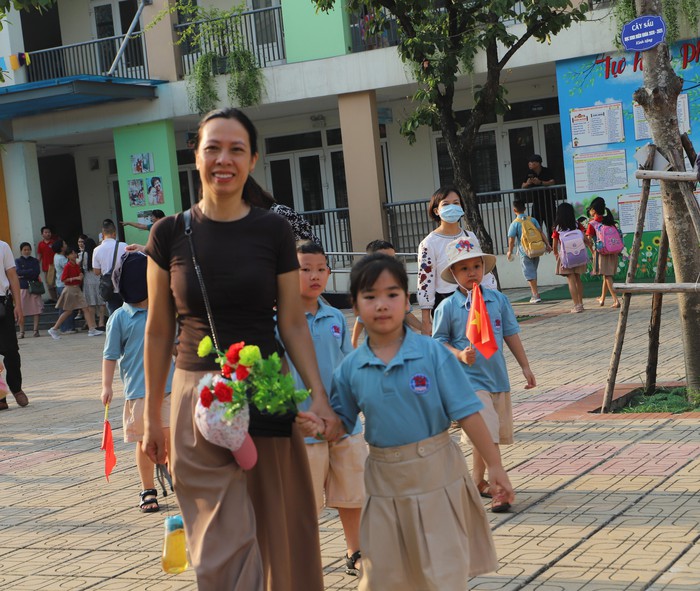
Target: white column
<point>25,208</point>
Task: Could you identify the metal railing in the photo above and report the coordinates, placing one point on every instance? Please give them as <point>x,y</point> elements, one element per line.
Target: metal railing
<point>409,223</point>
<point>92,58</point>
<point>332,226</point>
<point>363,40</point>
<point>261,31</point>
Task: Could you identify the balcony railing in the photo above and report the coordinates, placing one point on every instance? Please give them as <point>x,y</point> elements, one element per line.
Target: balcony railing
<point>409,223</point>
<point>93,58</point>
<point>261,31</point>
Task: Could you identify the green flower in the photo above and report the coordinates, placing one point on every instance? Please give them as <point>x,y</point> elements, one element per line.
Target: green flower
<point>249,355</point>
<point>206,346</point>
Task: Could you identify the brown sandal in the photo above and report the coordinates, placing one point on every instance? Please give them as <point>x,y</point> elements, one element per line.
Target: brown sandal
<point>499,506</point>
<point>484,489</point>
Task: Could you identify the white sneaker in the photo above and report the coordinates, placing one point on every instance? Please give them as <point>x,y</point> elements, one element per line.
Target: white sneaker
<point>54,334</point>
<point>535,300</point>
<point>95,333</point>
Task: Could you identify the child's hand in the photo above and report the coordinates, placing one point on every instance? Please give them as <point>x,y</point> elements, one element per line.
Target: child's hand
<point>106,395</point>
<point>467,355</point>
<point>530,377</point>
<point>311,424</point>
<point>499,483</point>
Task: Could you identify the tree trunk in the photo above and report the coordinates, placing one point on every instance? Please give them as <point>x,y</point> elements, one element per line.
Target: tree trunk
<point>658,98</point>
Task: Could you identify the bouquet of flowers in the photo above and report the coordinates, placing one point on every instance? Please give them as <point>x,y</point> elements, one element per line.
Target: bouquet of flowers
<point>222,414</point>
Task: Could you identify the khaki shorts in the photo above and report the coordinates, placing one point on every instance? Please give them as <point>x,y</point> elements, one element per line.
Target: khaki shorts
<point>498,416</point>
<point>339,470</point>
<point>132,418</point>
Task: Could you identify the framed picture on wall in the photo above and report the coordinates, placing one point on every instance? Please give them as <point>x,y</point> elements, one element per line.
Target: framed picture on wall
<point>154,190</point>
<point>136,193</point>
<point>142,163</point>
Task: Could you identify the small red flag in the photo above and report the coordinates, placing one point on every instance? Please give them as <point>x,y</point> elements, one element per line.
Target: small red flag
<point>479,330</point>
<point>108,446</point>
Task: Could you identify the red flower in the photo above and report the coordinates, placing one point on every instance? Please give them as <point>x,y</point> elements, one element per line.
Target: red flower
<point>226,371</point>
<point>242,372</point>
<point>232,355</point>
<point>223,392</point>
<point>206,397</point>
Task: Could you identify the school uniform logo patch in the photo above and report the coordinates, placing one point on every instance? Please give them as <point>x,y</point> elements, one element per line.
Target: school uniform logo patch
<point>420,383</point>
<point>497,322</point>
<point>335,331</point>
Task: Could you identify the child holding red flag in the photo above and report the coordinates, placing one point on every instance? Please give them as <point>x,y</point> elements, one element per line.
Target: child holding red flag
<point>473,325</point>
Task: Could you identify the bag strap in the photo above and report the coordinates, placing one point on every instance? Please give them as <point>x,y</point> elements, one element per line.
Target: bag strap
<point>187,215</point>
<point>114,258</point>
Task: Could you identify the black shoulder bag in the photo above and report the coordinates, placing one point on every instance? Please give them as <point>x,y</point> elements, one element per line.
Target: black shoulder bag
<point>106,287</point>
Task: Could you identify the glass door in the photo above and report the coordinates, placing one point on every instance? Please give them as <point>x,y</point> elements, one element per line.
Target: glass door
<point>111,19</point>
<point>267,32</point>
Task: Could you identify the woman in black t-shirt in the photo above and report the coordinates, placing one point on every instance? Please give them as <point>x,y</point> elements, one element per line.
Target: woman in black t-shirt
<point>246,531</point>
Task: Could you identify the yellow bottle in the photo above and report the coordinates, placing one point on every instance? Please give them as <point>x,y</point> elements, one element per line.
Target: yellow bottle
<point>174,559</point>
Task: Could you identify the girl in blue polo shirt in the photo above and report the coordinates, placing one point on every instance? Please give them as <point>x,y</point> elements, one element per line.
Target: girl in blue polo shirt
<point>423,525</point>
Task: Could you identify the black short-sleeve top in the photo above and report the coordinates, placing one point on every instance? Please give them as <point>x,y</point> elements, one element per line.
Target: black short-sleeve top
<point>240,262</point>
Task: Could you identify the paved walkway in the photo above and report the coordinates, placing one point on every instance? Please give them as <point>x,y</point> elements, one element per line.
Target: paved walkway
<point>602,504</point>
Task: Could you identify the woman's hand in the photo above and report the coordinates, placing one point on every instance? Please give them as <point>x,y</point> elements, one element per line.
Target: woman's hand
<point>311,425</point>
<point>333,428</point>
<point>153,444</point>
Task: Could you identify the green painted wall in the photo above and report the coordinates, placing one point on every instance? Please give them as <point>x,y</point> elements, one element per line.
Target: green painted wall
<point>309,35</point>
<point>146,152</point>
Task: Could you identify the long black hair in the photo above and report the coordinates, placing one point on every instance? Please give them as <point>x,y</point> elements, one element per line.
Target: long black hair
<point>565,218</point>
<point>600,209</point>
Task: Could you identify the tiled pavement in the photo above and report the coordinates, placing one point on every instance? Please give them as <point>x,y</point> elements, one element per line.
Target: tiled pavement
<point>602,505</point>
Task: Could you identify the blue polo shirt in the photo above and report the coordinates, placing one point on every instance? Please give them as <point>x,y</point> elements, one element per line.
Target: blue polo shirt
<point>329,333</point>
<point>449,326</point>
<point>414,397</point>
<point>124,343</point>
<point>515,230</point>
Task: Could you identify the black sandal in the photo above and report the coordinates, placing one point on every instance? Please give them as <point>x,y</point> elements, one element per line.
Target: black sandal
<point>350,564</point>
<point>149,497</point>
<point>163,477</point>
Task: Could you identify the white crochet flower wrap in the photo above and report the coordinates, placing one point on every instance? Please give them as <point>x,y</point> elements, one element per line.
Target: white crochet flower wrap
<point>213,425</point>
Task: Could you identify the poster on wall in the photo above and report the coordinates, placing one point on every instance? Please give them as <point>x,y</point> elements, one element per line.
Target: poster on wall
<point>144,217</point>
<point>136,193</point>
<point>628,209</point>
<point>142,163</point>
<point>600,124</point>
<point>155,191</point>
<point>641,127</point>
<point>600,171</point>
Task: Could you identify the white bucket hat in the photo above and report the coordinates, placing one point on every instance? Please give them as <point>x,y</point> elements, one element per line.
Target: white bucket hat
<point>461,250</point>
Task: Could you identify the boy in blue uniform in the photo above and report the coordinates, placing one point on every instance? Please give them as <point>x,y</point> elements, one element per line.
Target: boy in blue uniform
<point>124,343</point>
<point>336,468</point>
<point>489,377</point>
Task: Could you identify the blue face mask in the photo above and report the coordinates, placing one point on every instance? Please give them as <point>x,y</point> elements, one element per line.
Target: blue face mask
<point>451,213</point>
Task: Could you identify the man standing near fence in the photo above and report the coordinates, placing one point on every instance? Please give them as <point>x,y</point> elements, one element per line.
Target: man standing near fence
<point>544,201</point>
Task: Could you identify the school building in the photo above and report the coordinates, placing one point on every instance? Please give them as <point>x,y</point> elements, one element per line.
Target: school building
<point>96,123</point>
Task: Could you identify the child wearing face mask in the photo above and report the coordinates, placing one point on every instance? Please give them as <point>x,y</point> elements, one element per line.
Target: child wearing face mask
<point>466,266</point>
<point>446,207</point>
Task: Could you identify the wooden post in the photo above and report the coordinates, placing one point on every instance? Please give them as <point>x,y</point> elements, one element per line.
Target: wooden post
<point>655,321</point>
<point>627,298</point>
<point>688,148</point>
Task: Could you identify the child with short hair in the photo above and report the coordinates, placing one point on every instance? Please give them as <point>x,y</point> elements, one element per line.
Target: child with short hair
<point>528,264</point>
<point>489,377</point>
<point>387,248</point>
<point>336,468</point>
<point>72,297</point>
<point>423,525</point>
<point>125,343</point>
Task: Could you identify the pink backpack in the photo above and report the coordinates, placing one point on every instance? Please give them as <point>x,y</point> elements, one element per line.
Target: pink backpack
<point>607,239</point>
<point>572,249</point>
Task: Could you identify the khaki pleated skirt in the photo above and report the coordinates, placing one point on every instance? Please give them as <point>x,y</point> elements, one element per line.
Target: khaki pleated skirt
<point>213,497</point>
<point>423,525</point>
<point>71,299</point>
